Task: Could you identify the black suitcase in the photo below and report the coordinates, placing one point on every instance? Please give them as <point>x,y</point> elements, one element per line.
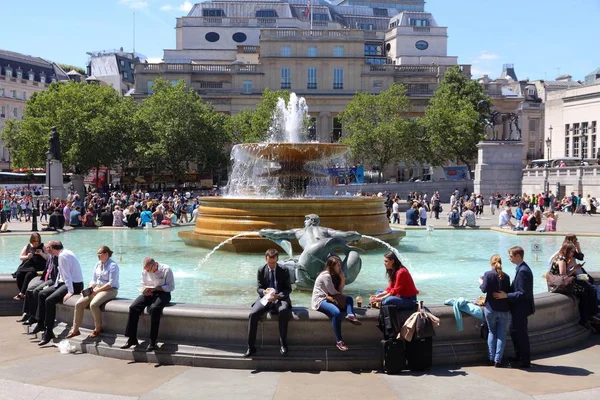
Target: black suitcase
<point>419,354</point>
<point>394,360</point>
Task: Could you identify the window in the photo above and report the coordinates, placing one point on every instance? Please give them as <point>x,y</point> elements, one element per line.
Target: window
<point>312,51</point>
<point>286,78</point>
<point>336,133</point>
<point>380,12</point>
<point>338,51</point>
<point>53,78</point>
<point>567,145</point>
<point>286,51</point>
<point>575,146</point>
<point>365,27</point>
<point>8,72</point>
<point>212,37</point>
<point>213,12</point>
<point>311,82</point>
<point>575,130</point>
<point>320,17</point>
<point>378,84</point>
<point>338,78</point>
<point>1,92</point>
<point>15,112</point>
<point>125,75</point>
<point>31,76</point>
<point>584,139</point>
<point>373,49</point>
<point>122,63</point>
<point>174,82</point>
<point>19,74</point>
<point>239,37</point>
<point>24,95</point>
<point>247,87</point>
<point>14,94</point>
<point>150,84</point>
<point>2,112</point>
<point>593,127</point>
<point>43,78</point>
<point>419,22</point>
<point>593,148</point>
<point>131,66</point>
<point>533,125</point>
<point>266,14</point>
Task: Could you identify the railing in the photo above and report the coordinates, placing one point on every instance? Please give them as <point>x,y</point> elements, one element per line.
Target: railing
<point>248,49</point>
<point>266,21</point>
<point>210,85</point>
<point>320,33</point>
<point>196,68</point>
<point>211,68</point>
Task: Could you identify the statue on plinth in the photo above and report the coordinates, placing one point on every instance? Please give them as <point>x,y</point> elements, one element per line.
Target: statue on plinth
<point>318,243</point>
<point>55,145</point>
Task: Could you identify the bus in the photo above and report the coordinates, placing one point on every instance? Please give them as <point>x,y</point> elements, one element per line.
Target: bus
<point>557,162</point>
<point>10,180</point>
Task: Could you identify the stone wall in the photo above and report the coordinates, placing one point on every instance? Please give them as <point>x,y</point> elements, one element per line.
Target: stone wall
<point>445,188</point>
<point>499,167</point>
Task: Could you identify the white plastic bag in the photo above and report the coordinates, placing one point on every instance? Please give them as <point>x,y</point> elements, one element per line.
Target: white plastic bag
<point>65,347</point>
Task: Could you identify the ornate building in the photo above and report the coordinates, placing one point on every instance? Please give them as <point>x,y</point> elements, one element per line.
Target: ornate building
<point>21,76</point>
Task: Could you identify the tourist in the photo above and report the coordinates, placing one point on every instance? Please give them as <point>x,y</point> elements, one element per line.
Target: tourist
<point>327,298</point>
<point>524,221</point>
<point>36,285</point>
<point>157,285</point>
<point>103,288</point>
<point>68,283</point>
<point>107,218</point>
<point>145,217</point>
<point>157,216</point>
<point>437,207</point>
<point>504,218</point>
<point>564,263</point>
<point>75,218</point>
<point>57,221</point>
<point>396,211</point>
<point>496,311</point>
<point>401,291</point>
<point>588,205</point>
<point>551,218</point>
<point>118,217</point>
<point>412,216</point>
<point>274,288</point>
<point>423,214</point>
<point>88,218</point>
<point>454,217</point>
<point>520,300</point>
<point>32,261</point>
<point>468,218</point>
<point>133,217</point>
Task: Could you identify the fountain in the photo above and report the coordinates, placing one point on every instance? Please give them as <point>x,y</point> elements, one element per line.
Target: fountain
<point>276,183</point>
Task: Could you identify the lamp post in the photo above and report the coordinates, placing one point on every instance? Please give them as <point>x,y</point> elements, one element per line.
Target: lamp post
<point>548,144</point>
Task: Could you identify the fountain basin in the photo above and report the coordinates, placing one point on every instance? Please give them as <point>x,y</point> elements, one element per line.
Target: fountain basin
<point>220,218</point>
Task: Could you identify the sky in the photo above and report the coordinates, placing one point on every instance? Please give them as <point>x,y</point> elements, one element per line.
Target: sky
<point>542,38</point>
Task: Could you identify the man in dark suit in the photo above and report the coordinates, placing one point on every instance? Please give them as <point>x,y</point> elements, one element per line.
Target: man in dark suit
<point>57,221</point>
<point>520,300</point>
<point>273,282</point>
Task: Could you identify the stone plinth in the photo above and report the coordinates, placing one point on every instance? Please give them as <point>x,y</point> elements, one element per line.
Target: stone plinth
<point>54,180</point>
<point>499,167</point>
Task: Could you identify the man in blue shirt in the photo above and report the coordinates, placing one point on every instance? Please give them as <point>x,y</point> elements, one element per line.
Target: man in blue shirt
<point>146,216</point>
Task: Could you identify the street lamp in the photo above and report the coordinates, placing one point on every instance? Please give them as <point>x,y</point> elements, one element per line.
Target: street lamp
<point>583,138</point>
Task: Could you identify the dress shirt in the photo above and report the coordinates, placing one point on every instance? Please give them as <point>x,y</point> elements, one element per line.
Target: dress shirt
<point>107,273</point>
<point>69,270</point>
<point>163,277</point>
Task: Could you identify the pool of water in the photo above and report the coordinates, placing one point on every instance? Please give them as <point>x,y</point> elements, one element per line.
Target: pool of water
<point>444,264</point>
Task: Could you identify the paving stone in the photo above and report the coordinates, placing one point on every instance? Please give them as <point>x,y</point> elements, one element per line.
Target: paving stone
<point>12,390</point>
<point>591,394</point>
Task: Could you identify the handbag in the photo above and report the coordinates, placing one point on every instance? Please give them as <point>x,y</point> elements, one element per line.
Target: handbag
<point>562,284</point>
<point>341,301</point>
<point>424,325</point>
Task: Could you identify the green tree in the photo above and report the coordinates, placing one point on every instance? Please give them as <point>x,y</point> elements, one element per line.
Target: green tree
<point>453,122</point>
<point>252,125</point>
<point>68,67</point>
<point>92,121</point>
<point>174,127</point>
<point>379,130</point>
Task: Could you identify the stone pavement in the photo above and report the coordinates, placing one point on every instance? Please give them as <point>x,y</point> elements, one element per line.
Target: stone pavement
<point>28,372</point>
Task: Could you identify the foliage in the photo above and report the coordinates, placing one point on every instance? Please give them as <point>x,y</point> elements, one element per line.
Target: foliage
<point>453,122</point>
<point>379,131</point>
<point>92,121</point>
<point>174,127</point>
<point>251,126</point>
<point>68,67</point>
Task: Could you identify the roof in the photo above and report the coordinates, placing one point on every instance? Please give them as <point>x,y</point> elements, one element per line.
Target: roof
<point>73,72</point>
<point>18,57</point>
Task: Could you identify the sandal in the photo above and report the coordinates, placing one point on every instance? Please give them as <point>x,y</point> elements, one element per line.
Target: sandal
<point>95,333</point>
<point>73,334</point>
<point>353,320</point>
<point>19,297</point>
<point>341,346</point>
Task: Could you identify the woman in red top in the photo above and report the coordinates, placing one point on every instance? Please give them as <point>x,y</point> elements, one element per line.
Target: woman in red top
<point>401,292</point>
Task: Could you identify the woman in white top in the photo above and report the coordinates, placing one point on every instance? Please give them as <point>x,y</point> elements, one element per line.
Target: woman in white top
<point>118,217</point>
<point>327,298</point>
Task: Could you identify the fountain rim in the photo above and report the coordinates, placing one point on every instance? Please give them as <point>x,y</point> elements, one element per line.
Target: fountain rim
<point>324,199</point>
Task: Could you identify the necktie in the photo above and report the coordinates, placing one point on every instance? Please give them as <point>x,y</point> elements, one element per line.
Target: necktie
<point>272,281</point>
<point>48,269</point>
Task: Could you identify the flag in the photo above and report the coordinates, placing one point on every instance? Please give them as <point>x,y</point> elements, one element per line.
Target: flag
<point>307,9</point>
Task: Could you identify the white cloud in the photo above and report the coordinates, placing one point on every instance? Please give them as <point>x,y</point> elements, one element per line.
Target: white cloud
<point>477,73</point>
<point>486,55</point>
<point>154,60</point>
<point>484,64</point>
<point>135,4</point>
<point>185,7</point>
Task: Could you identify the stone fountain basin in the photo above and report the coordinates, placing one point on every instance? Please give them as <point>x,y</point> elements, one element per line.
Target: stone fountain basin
<point>220,218</point>
<point>215,336</point>
<point>297,153</point>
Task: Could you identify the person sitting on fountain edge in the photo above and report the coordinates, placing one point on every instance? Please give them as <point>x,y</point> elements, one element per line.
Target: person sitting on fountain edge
<point>318,242</point>
<point>274,288</point>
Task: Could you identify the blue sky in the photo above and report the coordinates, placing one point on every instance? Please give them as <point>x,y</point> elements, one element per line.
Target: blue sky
<point>541,37</point>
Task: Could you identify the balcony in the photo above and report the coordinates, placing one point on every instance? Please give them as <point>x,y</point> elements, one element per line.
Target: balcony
<point>402,69</point>
<point>320,34</point>
<point>175,68</point>
<point>248,49</point>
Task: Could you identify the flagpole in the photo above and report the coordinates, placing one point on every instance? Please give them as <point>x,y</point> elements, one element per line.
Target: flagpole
<point>311,15</point>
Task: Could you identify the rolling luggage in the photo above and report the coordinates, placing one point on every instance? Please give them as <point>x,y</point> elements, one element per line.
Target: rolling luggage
<point>391,320</point>
<point>394,360</point>
<point>419,354</point>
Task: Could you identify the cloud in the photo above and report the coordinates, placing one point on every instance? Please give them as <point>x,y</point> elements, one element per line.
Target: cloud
<point>484,63</point>
<point>154,60</point>
<point>185,7</point>
<point>135,4</point>
<point>486,55</point>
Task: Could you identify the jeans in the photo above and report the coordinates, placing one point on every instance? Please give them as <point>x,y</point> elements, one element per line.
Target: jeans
<point>423,221</point>
<point>396,218</point>
<point>403,303</point>
<point>498,324</point>
<point>336,315</point>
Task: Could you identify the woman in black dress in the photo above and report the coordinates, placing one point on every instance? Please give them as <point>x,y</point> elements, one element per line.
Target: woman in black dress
<point>32,261</point>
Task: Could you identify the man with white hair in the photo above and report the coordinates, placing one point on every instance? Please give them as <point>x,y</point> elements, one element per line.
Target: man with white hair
<point>504,218</point>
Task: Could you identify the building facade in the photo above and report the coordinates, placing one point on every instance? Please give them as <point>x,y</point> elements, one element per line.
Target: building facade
<point>21,76</point>
<point>116,68</point>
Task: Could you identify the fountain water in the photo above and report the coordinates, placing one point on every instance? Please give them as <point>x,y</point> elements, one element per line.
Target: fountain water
<point>274,184</point>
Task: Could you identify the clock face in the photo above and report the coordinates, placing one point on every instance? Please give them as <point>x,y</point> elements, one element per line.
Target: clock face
<point>422,45</point>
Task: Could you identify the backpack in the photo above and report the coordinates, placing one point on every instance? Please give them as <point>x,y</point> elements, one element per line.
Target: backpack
<point>454,218</point>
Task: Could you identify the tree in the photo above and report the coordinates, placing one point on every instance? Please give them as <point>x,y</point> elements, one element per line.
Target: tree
<point>453,122</point>
<point>378,130</point>
<point>68,67</point>
<point>93,121</point>
<point>174,127</point>
<point>251,126</point>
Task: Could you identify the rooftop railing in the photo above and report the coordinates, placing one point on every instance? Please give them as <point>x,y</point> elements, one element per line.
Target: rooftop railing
<point>179,68</point>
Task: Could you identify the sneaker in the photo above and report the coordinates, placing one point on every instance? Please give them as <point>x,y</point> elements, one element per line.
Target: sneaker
<point>341,346</point>
<point>353,320</point>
